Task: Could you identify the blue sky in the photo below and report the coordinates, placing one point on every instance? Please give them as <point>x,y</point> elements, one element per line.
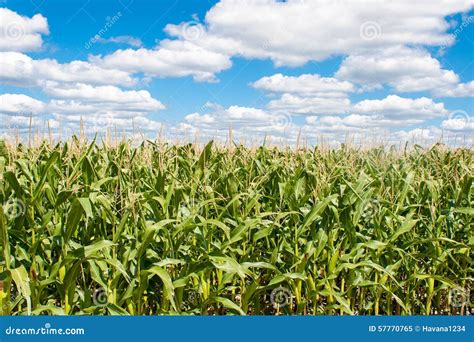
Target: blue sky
<point>373,70</point>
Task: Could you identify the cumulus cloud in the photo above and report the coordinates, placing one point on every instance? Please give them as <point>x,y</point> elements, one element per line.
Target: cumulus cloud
<point>463,124</point>
<point>19,69</point>
<point>235,116</point>
<point>383,44</point>
<point>357,123</point>
<point>291,33</point>
<point>294,32</point>
<point>315,95</point>
<point>306,84</point>
<point>405,69</point>
<point>394,107</point>
<point>128,40</point>
<point>173,58</point>
<point>20,104</point>
<point>98,108</point>
<point>21,33</point>
<point>300,105</point>
<point>245,122</point>
<point>76,90</point>
<point>423,136</point>
<point>372,119</point>
<point>306,94</point>
<point>110,96</point>
<point>100,123</point>
<point>367,118</point>
<point>83,100</point>
<point>19,111</point>
<point>460,90</point>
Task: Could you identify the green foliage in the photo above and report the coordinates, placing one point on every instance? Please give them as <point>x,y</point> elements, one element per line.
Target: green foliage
<point>161,229</point>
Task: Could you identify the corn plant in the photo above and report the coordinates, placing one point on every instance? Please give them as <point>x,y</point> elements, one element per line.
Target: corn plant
<point>89,228</point>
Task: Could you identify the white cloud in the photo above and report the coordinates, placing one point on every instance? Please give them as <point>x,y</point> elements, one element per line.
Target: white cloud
<point>404,69</point>
<point>299,105</point>
<point>290,33</point>
<point>17,122</point>
<point>422,136</point>
<point>76,90</point>
<point>109,97</point>
<point>252,124</point>
<point>247,123</point>
<point>173,58</point>
<point>306,94</point>
<point>348,123</point>
<point>459,124</point>
<point>355,123</point>
<point>294,32</point>
<point>98,108</point>
<point>335,133</point>
<point>20,33</point>
<point>100,123</point>
<point>373,118</point>
<point>460,90</point>
<point>128,40</point>
<point>306,84</point>
<point>315,95</point>
<point>394,107</point>
<point>385,44</point>
<point>231,116</point>
<point>19,69</point>
<point>18,104</point>
<point>112,111</point>
<point>19,111</point>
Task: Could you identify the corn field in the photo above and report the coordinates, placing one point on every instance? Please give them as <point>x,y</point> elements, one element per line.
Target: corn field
<point>91,228</point>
